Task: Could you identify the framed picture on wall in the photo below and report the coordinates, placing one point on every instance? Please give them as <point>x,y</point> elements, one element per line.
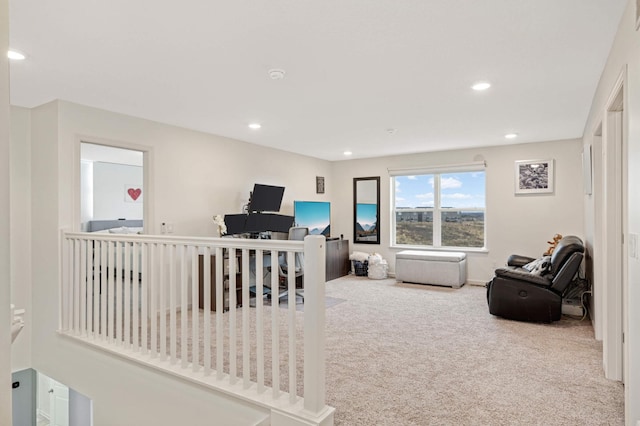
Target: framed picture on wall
<point>534,177</point>
<point>132,194</point>
<point>319,185</point>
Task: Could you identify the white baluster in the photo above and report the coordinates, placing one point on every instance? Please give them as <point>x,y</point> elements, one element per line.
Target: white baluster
<point>135,288</point>
<point>291,281</point>
<point>275,325</point>
<point>206,286</point>
<point>259,320</point>
<point>246,345</point>
<point>195,301</point>
<point>219,289</point>
<point>172,304</point>
<point>144,296</point>
<point>184,314</point>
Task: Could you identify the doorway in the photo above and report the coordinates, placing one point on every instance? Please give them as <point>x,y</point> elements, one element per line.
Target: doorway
<point>614,221</point>
<point>112,189</point>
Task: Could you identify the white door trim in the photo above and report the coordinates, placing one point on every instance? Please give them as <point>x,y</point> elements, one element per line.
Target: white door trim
<point>615,222</point>
<point>148,178</point>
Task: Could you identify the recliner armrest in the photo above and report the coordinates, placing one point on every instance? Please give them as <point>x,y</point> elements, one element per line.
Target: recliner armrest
<point>523,275</point>
<point>519,260</point>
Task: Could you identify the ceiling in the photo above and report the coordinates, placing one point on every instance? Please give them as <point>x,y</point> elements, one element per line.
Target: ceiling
<point>353,69</point>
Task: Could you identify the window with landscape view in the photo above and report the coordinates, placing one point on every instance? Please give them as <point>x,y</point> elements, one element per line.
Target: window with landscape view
<point>444,209</point>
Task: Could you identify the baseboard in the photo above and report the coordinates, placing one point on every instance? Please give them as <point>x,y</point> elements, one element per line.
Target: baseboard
<point>477,283</point>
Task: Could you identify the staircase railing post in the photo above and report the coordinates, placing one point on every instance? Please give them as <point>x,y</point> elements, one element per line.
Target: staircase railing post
<point>314,323</point>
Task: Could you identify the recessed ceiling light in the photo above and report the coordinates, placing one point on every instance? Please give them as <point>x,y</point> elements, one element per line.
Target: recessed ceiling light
<point>481,85</point>
<point>276,74</point>
<point>255,126</point>
<point>511,135</point>
<point>347,153</point>
<point>392,131</point>
<point>15,55</point>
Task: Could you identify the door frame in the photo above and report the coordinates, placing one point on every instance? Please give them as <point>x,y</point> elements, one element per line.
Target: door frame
<point>147,180</point>
<point>614,214</point>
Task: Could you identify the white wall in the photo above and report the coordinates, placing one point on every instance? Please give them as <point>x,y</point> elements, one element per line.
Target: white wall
<point>5,287</point>
<point>20,237</point>
<point>624,52</point>
<point>514,224</point>
<point>109,199</point>
<point>194,176</point>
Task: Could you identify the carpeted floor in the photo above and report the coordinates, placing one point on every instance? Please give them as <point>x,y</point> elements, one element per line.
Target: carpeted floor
<point>403,354</point>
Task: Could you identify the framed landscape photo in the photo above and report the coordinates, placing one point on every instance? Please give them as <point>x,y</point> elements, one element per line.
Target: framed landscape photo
<point>534,177</point>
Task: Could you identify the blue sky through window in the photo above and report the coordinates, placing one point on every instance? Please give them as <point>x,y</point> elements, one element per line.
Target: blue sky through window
<point>465,189</point>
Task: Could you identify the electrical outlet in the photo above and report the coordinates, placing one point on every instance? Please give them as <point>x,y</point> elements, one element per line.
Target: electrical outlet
<point>163,228</point>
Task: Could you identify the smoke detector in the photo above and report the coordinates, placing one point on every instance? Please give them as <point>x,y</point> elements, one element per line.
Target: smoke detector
<point>276,74</point>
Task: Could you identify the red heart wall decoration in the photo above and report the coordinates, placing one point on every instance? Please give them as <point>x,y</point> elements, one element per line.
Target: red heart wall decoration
<point>134,193</point>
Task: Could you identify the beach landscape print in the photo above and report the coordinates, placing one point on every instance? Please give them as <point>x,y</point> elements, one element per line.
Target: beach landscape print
<point>315,215</point>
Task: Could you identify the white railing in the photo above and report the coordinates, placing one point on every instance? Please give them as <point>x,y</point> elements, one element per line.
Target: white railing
<point>144,298</point>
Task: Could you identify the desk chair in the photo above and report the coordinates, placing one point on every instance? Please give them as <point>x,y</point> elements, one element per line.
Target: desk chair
<point>284,270</point>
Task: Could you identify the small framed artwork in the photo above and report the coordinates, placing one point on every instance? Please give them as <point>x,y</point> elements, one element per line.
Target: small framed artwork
<point>319,185</point>
<point>132,194</point>
<point>534,177</point>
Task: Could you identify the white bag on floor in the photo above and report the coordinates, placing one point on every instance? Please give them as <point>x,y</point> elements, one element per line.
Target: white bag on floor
<point>378,268</point>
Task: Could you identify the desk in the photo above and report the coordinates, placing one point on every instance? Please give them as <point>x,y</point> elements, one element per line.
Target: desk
<point>225,279</point>
<point>337,259</point>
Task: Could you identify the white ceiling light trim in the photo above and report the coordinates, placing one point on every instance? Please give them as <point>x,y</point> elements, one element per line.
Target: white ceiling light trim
<point>276,74</point>
<point>481,85</point>
<point>511,135</point>
<point>255,126</point>
<point>16,55</point>
<point>348,153</point>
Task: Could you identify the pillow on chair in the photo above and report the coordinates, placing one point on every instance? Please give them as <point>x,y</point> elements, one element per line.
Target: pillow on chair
<point>539,266</point>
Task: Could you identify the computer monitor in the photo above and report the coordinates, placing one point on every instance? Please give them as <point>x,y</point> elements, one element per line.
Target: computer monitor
<point>235,223</point>
<point>266,198</point>
<point>257,222</point>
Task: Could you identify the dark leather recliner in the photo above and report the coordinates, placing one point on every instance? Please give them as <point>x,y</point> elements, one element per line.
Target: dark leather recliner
<point>519,294</point>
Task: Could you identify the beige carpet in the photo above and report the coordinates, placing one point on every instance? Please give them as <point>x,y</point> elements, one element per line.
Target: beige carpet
<point>402,354</point>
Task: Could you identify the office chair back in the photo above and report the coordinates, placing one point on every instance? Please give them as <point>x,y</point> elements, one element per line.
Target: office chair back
<point>298,233</point>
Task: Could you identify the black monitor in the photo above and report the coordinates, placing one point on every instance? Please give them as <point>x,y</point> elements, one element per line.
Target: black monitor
<point>257,222</point>
<point>280,222</point>
<point>235,223</point>
<point>266,198</point>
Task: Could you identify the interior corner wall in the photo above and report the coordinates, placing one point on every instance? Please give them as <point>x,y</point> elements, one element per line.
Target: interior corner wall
<point>624,53</point>
<point>514,223</point>
<point>5,283</point>
<point>194,177</point>
<point>20,231</point>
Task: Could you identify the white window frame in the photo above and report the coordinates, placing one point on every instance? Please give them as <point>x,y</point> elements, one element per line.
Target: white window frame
<point>436,210</point>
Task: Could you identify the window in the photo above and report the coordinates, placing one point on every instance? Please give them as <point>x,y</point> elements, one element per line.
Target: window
<point>440,208</point>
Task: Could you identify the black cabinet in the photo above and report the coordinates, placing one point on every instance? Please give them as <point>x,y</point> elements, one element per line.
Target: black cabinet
<point>337,259</point>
